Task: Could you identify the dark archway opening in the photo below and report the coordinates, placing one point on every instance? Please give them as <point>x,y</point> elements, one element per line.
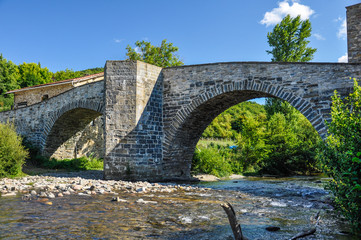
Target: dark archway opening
<point>77,133</point>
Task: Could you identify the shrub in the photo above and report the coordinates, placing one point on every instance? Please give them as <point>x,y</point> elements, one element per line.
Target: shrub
<point>82,163</point>
<point>341,152</point>
<point>210,161</point>
<point>12,152</point>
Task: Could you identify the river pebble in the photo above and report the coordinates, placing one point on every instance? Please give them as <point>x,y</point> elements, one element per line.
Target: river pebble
<point>80,183</point>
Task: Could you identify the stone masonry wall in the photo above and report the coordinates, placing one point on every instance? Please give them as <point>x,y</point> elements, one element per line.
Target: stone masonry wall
<point>354,33</point>
<point>133,121</point>
<point>35,95</point>
<point>36,121</point>
<point>75,135</point>
<point>195,95</point>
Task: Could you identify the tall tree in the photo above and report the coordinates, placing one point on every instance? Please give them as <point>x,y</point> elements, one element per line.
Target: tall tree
<point>294,146</point>
<point>162,56</point>
<point>33,74</point>
<point>9,74</point>
<point>288,41</point>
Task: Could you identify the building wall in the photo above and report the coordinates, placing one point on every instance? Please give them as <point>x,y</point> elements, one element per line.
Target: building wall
<point>36,95</point>
<point>33,96</point>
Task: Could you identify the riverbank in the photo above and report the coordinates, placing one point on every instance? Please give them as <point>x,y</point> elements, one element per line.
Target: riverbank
<point>212,178</point>
<point>59,184</point>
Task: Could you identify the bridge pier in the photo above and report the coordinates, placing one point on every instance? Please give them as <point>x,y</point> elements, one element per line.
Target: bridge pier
<point>133,121</point>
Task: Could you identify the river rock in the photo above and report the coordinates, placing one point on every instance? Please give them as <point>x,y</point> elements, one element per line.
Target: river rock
<point>43,195</point>
<point>118,199</point>
<point>9,194</point>
<point>51,195</point>
<point>272,229</point>
<point>142,201</point>
<point>77,187</point>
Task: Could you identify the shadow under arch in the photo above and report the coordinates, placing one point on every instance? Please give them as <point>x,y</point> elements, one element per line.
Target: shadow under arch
<point>74,131</point>
<point>182,135</point>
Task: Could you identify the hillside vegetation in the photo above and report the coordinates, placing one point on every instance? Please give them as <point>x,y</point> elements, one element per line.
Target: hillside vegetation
<point>270,139</point>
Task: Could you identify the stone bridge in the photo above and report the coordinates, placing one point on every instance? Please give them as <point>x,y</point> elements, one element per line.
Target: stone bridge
<point>148,119</point>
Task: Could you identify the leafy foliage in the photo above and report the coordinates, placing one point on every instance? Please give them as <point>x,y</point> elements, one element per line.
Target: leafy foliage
<point>33,74</point>
<point>211,160</point>
<point>9,75</point>
<point>162,56</point>
<point>288,40</point>
<point>341,154</point>
<point>12,153</point>
<point>82,163</point>
<point>70,74</point>
<point>267,140</point>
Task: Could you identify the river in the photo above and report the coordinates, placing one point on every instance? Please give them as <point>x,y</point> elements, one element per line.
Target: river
<point>287,203</point>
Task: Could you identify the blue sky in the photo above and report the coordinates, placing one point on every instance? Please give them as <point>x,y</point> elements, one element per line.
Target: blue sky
<point>83,34</point>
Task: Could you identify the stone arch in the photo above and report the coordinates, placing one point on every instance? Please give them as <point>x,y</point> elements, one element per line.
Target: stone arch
<point>185,129</point>
<point>68,126</point>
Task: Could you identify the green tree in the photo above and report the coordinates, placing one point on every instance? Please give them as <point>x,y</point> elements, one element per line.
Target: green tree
<point>33,74</point>
<point>162,56</point>
<point>65,74</point>
<point>251,142</point>
<point>288,41</point>
<point>9,75</point>
<point>341,155</point>
<point>12,152</point>
<point>289,44</point>
<point>70,74</point>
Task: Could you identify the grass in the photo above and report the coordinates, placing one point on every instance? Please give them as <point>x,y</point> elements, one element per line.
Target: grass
<point>204,142</point>
<point>82,163</point>
<point>44,165</point>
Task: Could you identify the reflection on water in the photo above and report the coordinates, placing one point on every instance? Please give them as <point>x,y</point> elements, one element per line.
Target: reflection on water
<point>286,203</point>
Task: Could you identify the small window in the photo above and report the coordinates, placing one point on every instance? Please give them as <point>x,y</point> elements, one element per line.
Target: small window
<point>22,104</point>
<point>45,97</point>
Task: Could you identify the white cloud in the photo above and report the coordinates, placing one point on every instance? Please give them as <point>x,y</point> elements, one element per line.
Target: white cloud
<point>342,31</point>
<point>343,59</point>
<point>118,40</point>
<point>284,8</point>
<point>319,36</point>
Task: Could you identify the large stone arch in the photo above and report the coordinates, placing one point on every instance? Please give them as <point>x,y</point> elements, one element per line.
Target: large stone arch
<point>183,133</point>
<point>71,126</point>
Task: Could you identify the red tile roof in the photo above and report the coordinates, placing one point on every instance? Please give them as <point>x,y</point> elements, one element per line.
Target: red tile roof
<point>67,81</point>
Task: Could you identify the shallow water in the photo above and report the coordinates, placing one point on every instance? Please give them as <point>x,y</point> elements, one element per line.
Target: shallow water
<point>288,203</point>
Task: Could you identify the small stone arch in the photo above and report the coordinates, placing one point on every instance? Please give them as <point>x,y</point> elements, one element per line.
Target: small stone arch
<point>179,141</point>
<point>82,112</point>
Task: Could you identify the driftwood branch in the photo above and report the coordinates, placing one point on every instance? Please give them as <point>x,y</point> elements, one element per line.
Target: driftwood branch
<point>236,227</point>
<point>304,233</point>
<point>237,231</point>
<point>308,231</point>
